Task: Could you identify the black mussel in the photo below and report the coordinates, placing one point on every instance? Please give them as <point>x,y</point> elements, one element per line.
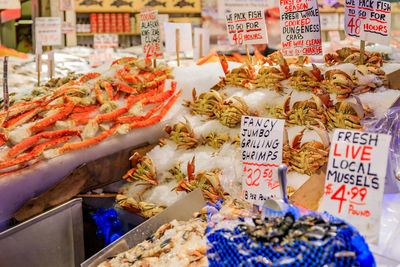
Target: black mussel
<point>241,228</point>
<point>258,221</point>
<point>165,242</point>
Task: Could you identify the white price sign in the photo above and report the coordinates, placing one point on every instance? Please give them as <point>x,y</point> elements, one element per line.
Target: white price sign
<point>368,20</point>
<point>205,42</point>
<point>98,58</point>
<point>226,6</point>
<point>355,179</point>
<point>68,27</point>
<point>48,30</point>
<point>150,33</point>
<point>10,4</point>
<point>300,28</point>
<point>246,26</point>
<point>261,143</point>
<point>329,21</point>
<point>105,41</point>
<point>185,36</point>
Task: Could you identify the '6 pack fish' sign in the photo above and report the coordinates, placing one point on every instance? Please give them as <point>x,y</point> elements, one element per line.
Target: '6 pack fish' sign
<point>355,179</point>
<point>300,28</point>
<point>261,144</point>
<point>369,20</point>
<point>150,33</point>
<point>246,26</point>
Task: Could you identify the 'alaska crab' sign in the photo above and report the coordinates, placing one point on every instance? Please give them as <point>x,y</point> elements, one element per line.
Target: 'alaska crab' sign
<point>150,33</point>
<point>355,179</point>
<point>261,143</point>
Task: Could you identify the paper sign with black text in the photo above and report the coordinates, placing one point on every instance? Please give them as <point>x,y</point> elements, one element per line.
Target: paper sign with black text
<point>68,27</point>
<point>300,28</point>
<point>226,6</point>
<point>48,30</point>
<point>105,41</point>
<point>150,34</point>
<point>204,35</point>
<point>67,5</point>
<point>246,26</point>
<point>10,4</point>
<point>368,20</point>
<point>185,36</point>
<point>261,151</point>
<point>355,179</point>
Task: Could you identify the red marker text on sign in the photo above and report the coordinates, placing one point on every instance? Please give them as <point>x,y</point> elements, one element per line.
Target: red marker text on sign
<point>340,195</point>
<point>354,151</point>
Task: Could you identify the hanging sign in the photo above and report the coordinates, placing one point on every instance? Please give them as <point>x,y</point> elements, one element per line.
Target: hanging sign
<point>261,146</point>
<point>68,27</point>
<point>300,28</point>
<point>67,5</point>
<point>246,26</point>
<point>105,41</point>
<point>185,36</point>
<point>368,20</point>
<point>201,43</point>
<point>150,33</point>
<point>48,30</point>
<point>355,179</point>
<point>7,4</point>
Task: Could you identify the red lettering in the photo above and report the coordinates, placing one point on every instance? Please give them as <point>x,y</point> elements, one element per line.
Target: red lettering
<point>335,153</point>
<point>366,153</point>
<point>354,156</point>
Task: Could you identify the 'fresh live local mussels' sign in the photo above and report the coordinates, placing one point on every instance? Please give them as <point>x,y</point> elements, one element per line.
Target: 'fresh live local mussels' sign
<point>300,28</point>
<point>355,179</point>
<point>261,145</point>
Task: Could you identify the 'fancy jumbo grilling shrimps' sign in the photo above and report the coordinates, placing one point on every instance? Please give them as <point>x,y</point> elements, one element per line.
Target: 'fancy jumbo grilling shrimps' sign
<point>261,146</point>
<point>300,28</point>
<point>355,179</point>
<point>368,20</point>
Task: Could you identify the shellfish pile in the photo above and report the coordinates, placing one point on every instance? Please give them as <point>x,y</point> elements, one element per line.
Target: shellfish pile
<point>85,111</point>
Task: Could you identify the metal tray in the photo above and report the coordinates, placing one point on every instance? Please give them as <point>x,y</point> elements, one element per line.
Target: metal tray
<point>54,238</point>
<point>180,210</point>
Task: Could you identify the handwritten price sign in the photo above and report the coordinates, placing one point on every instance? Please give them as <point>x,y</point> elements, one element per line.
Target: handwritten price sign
<point>261,143</point>
<point>368,20</point>
<point>150,33</point>
<point>48,30</point>
<point>300,28</point>
<point>355,179</point>
<point>246,27</point>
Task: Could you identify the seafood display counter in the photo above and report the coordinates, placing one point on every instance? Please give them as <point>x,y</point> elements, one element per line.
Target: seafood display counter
<point>192,116</point>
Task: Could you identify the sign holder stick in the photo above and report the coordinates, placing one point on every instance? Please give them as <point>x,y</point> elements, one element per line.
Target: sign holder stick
<point>247,52</point>
<point>39,59</point>
<point>5,87</point>
<point>362,49</point>
<point>51,68</point>
<point>177,46</point>
<point>154,62</point>
<point>201,46</point>
<point>301,60</point>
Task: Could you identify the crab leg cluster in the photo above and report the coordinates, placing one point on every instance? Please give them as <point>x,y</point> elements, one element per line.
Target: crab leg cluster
<point>87,108</point>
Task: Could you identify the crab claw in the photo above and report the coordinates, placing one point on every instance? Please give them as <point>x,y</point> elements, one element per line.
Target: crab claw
<point>317,72</point>
<point>224,64</point>
<point>323,134</point>
<point>297,139</point>
<point>190,169</point>
<point>286,103</point>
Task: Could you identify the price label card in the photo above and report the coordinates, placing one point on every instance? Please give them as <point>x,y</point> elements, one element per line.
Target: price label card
<point>98,58</point>
<point>261,143</point>
<point>225,6</point>
<point>368,20</point>
<point>300,28</point>
<point>329,21</point>
<point>355,179</point>
<point>150,33</point>
<point>204,35</point>
<point>48,30</point>
<point>67,5</point>
<point>185,36</point>
<point>68,27</point>
<point>7,4</point>
<point>105,41</point>
<point>246,26</point>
